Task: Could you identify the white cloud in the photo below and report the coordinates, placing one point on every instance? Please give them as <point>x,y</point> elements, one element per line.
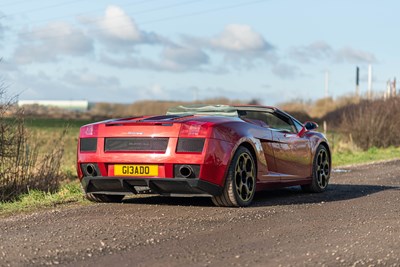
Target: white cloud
<point>78,84</point>
<point>86,79</point>
<point>171,59</point>
<point>7,65</point>
<point>239,38</point>
<point>3,26</point>
<point>129,62</point>
<point>155,91</point>
<point>240,46</point>
<point>2,30</point>
<point>183,58</point>
<point>50,42</point>
<point>237,46</point>
<point>320,50</point>
<point>314,51</point>
<point>285,71</point>
<point>117,24</point>
<point>117,29</point>
<point>351,55</point>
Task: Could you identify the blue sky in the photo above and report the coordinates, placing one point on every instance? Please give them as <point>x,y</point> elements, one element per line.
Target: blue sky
<point>124,51</point>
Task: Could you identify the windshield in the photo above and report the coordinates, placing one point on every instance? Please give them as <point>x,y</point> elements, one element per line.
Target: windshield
<point>209,110</point>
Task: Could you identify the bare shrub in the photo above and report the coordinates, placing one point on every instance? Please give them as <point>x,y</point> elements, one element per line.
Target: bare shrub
<point>373,123</point>
<point>23,166</point>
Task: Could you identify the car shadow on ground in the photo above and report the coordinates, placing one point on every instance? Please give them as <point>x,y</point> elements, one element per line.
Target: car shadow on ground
<point>335,192</point>
<point>276,197</point>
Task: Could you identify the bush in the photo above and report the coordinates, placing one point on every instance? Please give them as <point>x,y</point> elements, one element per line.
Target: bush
<point>373,123</point>
<point>23,166</point>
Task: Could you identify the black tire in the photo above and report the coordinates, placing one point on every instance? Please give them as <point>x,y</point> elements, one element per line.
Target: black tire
<point>321,171</point>
<point>240,183</point>
<point>104,198</point>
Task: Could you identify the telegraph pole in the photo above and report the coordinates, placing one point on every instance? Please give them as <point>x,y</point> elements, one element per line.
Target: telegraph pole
<point>388,89</point>
<point>394,87</point>
<point>357,82</point>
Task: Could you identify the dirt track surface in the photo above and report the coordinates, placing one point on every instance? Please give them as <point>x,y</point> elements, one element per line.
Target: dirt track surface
<point>355,223</point>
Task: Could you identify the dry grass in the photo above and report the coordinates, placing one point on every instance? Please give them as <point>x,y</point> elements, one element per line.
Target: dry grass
<point>24,165</point>
<point>68,145</point>
<point>319,108</point>
<point>373,123</point>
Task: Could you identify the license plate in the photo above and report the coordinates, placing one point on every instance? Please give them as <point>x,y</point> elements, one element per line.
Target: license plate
<point>135,170</point>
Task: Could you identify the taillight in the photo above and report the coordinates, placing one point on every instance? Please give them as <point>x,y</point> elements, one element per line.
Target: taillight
<point>89,130</point>
<point>190,145</point>
<point>88,144</point>
<point>194,129</point>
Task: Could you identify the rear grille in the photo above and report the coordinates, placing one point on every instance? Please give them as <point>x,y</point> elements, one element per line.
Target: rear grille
<point>190,145</point>
<point>136,144</point>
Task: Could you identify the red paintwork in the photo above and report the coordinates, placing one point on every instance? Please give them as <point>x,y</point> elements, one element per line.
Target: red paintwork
<point>282,159</point>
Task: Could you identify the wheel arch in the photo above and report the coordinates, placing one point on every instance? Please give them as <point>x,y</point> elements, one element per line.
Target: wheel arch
<point>325,144</point>
<point>229,196</point>
<point>251,147</point>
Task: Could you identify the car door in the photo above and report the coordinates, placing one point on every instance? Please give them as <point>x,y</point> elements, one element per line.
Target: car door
<point>264,134</point>
<point>292,152</point>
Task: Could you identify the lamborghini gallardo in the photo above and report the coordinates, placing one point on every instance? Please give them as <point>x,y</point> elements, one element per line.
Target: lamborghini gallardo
<point>225,152</point>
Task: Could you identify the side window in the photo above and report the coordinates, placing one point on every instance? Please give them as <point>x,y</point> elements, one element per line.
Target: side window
<point>298,125</point>
<point>256,115</point>
<point>280,122</point>
<point>273,120</point>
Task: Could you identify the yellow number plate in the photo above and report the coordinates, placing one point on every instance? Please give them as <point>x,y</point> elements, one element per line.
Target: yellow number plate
<point>135,170</point>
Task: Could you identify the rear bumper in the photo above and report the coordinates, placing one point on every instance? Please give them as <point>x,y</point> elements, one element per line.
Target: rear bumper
<point>162,186</point>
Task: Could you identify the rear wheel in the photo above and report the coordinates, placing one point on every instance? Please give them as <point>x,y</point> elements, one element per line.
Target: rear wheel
<point>321,171</point>
<point>104,198</point>
<point>240,183</point>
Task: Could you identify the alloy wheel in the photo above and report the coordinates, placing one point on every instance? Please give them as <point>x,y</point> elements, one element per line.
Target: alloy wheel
<point>245,177</point>
<point>322,170</point>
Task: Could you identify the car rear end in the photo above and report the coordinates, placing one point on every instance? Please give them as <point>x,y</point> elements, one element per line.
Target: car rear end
<point>165,155</point>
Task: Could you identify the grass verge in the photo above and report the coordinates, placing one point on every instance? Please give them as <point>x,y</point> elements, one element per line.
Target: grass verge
<point>370,155</point>
<point>35,199</point>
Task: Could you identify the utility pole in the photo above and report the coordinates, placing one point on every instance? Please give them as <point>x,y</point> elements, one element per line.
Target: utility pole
<point>357,82</point>
<point>394,87</point>
<point>388,89</point>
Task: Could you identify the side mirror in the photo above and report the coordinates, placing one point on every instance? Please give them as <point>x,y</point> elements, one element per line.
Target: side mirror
<point>310,125</point>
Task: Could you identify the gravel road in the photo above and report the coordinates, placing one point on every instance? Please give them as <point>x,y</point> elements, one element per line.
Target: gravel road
<point>355,223</point>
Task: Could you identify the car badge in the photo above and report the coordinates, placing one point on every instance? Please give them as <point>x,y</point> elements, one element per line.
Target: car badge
<point>135,133</point>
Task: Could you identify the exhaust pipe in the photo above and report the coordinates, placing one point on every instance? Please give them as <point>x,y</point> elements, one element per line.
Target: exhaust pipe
<point>91,170</point>
<point>186,171</point>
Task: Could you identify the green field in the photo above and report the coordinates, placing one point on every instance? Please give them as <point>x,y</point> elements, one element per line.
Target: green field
<point>54,124</point>
<point>43,130</point>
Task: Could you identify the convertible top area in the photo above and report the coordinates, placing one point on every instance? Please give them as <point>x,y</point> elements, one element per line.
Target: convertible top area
<point>216,110</point>
<point>213,110</point>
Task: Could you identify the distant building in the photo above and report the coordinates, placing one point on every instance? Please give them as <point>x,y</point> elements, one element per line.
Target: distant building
<point>74,105</point>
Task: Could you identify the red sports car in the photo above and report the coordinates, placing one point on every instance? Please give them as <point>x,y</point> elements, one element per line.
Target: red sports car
<point>226,152</point>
